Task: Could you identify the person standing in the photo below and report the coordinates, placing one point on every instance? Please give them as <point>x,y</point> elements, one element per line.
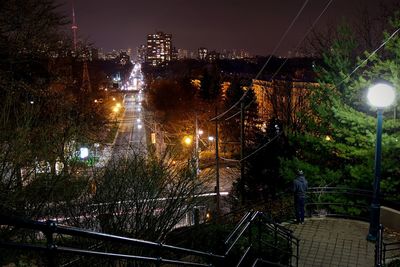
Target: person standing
<point>300,186</point>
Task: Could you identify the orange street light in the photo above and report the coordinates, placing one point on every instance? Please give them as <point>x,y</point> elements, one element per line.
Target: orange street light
<point>187,140</point>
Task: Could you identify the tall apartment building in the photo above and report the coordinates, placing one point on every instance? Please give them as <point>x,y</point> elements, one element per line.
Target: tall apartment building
<point>159,48</point>
<point>141,53</point>
<point>202,53</point>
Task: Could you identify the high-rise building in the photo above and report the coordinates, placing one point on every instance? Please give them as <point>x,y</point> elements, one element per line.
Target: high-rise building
<point>141,53</point>
<point>159,48</point>
<point>202,53</point>
<point>212,56</point>
<point>183,53</point>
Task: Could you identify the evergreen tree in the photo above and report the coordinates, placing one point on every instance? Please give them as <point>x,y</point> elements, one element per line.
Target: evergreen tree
<point>231,128</point>
<point>337,146</point>
<point>252,120</point>
<point>210,88</point>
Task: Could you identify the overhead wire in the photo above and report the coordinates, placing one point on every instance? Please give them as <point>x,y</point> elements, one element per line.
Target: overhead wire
<point>229,160</point>
<point>261,147</point>
<point>348,76</point>
<point>266,63</point>
<point>296,47</point>
<point>304,36</point>
<point>277,71</point>
<point>370,55</point>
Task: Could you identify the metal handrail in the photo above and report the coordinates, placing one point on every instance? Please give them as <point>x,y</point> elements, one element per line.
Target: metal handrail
<point>51,248</point>
<point>244,228</point>
<point>73,231</point>
<point>381,247</point>
<point>237,238</point>
<point>49,228</point>
<point>327,188</point>
<point>83,252</point>
<point>281,229</point>
<point>270,263</point>
<point>244,218</point>
<point>244,255</point>
<point>345,192</point>
<point>386,248</point>
<point>264,220</point>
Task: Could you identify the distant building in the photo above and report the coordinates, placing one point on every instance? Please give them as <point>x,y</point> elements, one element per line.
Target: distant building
<point>192,54</point>
<point>89,54</point>
<point>94,54</point>
<point>159,48</point>
<point>111,55</point>
<point>292,95</point>
<point>123,58</point>
<point>202,53</point>
<point>212,56</point>
<point>141,53</point>
<point>234,54</point>
<point>174,54</point>
<point>183,54</point>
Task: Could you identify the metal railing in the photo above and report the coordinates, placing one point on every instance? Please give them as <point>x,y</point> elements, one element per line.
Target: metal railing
<point>385,252</point>
<point>251,228</point>
<point>254,228</point>
<point>338,202</point>
<point>344,202</point>
<point>51,248</point>
<point>354,204</point>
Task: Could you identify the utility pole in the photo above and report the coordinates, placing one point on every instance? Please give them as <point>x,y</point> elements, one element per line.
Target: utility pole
<point>217,163</point>
<point>197,146</point>
<point>242,144</point>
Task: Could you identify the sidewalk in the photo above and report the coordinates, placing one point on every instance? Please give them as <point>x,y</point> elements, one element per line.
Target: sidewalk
<point>334,242</point>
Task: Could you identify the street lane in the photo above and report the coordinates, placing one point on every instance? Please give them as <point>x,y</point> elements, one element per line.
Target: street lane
<point>131,135</point>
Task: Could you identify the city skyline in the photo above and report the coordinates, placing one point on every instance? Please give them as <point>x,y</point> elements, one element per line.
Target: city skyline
<point>255,26</point>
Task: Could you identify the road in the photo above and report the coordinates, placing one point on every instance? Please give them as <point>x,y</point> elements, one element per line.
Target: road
<point>131,135</point>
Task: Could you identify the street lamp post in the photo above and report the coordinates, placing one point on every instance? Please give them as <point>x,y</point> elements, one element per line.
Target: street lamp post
<point>196,148</point>
<point>380,96</point>
<point>96,146</point>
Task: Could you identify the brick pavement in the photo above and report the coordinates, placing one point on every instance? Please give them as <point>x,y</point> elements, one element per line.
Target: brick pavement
<point>333,242</point>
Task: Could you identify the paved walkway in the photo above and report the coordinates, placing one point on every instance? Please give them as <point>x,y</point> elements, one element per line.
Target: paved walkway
<point>333,242</point>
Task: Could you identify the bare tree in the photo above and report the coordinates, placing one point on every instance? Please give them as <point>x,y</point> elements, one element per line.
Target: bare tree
<point>138,196</point>
<point>367,29</point>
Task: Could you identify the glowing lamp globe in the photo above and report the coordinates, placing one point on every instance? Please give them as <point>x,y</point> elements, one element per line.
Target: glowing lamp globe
<point>381,95</point>
<point>84,152</point>
<point>187,140</point>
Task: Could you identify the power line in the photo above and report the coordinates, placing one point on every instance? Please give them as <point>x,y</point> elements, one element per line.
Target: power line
<point>348,76</point>
<point>296,47</point>
<point>261,147</point>
<point>304,36</point>
<point>229,160</point>
<point>266,63</point>
<point>373,53</point>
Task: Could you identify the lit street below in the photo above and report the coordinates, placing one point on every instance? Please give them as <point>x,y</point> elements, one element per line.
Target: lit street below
<point>131,135</point>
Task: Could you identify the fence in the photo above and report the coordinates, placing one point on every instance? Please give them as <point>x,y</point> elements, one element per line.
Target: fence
<point>355,204</point>
<point>385,252</point>
<point>339,202</point>
<point>51,245</point>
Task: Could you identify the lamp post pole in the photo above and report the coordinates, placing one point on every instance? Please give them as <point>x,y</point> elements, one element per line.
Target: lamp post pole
<point>380,95</point>
<point>218,197</point>
<point>375,204</point>
<point>197,147</point>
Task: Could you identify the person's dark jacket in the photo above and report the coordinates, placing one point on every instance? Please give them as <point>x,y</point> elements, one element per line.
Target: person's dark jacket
<point>300,186</point>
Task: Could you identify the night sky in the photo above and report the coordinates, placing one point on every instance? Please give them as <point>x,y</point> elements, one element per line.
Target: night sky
<point>252,25</point>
